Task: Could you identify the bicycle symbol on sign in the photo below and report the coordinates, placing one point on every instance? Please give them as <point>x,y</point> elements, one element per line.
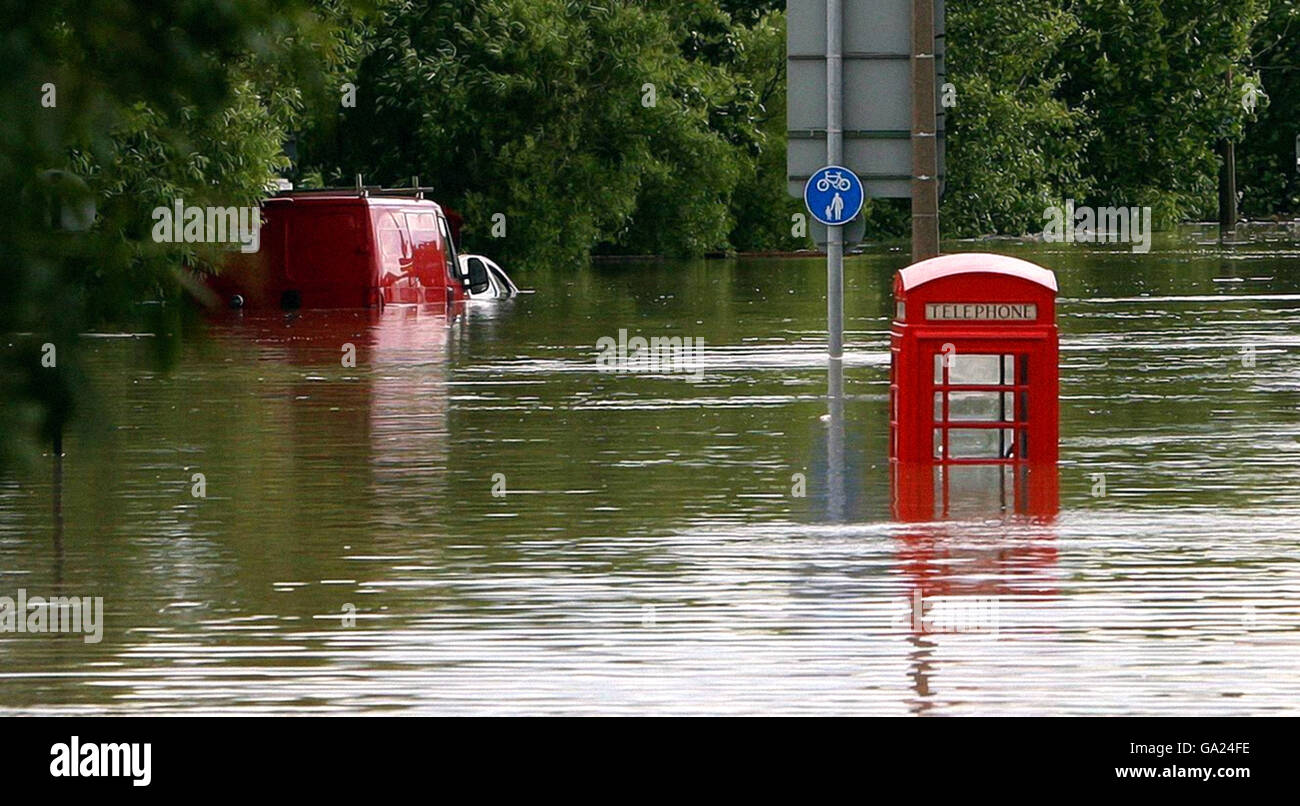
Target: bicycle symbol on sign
<point>835,179</point>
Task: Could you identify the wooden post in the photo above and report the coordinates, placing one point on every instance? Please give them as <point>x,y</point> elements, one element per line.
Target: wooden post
<point>1228,183</point>
<point>1227,189</point>
<point>925,146</point>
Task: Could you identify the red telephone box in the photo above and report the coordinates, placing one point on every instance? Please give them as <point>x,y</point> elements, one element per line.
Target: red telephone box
<point>973,372</point>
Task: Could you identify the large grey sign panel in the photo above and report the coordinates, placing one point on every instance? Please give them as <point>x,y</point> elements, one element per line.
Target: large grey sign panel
<point>870,26</point>
<point>877,105</point>
<point>877,94</point>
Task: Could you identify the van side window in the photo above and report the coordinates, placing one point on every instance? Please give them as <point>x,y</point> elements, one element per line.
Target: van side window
<point>424,231</point>
<point>392,238</point>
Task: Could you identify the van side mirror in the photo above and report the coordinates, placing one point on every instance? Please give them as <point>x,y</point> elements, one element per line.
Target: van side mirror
<point>478,277</point>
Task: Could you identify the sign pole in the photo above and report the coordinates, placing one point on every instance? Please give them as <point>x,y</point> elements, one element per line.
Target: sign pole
<point>835,267</point>
<point>834,156</point>
<point>925,146</point>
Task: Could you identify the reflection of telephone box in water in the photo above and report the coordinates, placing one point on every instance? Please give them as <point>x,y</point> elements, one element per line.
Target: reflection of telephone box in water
<point>974,385</point>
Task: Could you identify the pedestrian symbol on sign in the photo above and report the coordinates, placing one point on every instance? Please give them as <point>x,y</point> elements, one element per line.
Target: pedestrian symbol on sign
<point>835,209</point>
<point>833,195</point>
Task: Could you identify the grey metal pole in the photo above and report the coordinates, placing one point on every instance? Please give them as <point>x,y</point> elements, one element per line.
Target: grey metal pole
<point>835,268</point>
<point>837,493</point>
<point>834,156</point>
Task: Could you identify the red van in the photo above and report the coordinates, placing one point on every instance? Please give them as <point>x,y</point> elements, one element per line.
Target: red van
<point>362,248</point>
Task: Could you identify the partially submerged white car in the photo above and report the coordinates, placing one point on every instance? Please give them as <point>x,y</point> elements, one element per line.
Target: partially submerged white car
<point>486,279</point>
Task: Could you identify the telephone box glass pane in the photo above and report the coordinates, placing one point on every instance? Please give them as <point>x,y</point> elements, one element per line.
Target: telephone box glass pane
<point>980,369</point>
<point>975,443</point>
<point>974,369</point>
<point>969,368</point>
<point>969,406</point>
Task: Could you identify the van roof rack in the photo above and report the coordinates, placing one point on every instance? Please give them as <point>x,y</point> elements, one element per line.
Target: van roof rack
<point>365,190</point>
<point>416,190</point>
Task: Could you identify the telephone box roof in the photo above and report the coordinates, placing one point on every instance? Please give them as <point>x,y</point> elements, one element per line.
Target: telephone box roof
<point>972,263</point>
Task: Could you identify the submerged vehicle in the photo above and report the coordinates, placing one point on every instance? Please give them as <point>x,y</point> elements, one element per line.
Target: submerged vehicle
<point>485,279</point>
<point>351,248</point>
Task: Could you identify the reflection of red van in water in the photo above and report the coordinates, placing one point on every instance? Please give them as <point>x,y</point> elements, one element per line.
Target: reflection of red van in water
<point>347,249</point>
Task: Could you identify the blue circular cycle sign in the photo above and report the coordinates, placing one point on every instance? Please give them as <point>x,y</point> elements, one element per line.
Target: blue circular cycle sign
<point>833,195</point>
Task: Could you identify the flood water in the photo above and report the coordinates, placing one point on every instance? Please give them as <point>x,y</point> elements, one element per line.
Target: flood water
<point>647,549</point>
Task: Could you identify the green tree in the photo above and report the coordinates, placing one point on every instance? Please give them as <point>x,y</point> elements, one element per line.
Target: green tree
<point>1266,159</point>
<point>624,127</point>
<point>1163,80</point>
<point>125,106</point>
<point>1013,146</point>
<point>761,205</point>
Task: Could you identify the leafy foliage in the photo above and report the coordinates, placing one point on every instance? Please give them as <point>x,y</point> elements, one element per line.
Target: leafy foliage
<point>125,106</point>
<point>1163,82</point>
<point>1013,145</point>
<point>1267,173</point>
<point>622,127</point>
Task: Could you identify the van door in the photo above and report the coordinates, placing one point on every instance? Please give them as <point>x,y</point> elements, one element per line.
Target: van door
<point>327,265</point>
<point>428,251</point>
<point>451,259</point>
<point>397,281</point>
